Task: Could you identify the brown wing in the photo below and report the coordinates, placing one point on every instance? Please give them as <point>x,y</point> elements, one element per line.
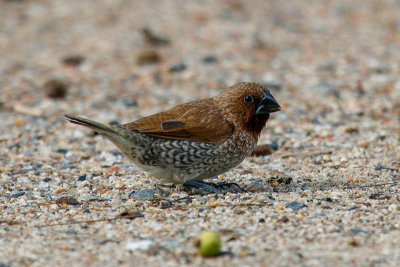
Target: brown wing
<point>195,121</point>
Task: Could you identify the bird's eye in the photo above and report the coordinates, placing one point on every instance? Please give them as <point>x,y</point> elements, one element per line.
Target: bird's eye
<point>248,99</point>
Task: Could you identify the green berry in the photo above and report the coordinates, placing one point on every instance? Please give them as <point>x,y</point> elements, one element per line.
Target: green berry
<point>209,244</point>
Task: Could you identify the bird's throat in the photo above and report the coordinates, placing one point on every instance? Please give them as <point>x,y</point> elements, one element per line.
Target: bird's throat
<point>256,124</point>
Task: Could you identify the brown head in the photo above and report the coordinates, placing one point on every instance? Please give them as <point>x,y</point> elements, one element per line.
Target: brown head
<point>247,106</point>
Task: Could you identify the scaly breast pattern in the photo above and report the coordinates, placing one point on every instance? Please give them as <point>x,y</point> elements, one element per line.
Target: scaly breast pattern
<point>179,160</point>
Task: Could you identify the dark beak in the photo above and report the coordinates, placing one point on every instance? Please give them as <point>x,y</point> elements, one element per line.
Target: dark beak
<point>267,105</point>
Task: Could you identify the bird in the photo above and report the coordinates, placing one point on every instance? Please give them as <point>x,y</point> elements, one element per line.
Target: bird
<point>197,140</point>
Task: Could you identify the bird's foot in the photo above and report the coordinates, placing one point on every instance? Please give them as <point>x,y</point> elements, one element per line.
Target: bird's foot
<point>201,187</point>
<point>231,187</point>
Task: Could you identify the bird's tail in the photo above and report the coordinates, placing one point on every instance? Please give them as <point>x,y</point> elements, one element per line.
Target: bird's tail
<point>95,126</point>
<point>122,138</point>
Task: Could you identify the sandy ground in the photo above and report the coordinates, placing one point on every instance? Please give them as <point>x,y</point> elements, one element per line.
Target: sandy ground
<point>327,196</point>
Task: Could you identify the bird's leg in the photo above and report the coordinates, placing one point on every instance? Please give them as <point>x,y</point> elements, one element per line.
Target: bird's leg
<point>202,187</point>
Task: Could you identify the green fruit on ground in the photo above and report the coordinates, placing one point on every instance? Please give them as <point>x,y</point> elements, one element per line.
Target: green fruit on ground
<point>209,244</point>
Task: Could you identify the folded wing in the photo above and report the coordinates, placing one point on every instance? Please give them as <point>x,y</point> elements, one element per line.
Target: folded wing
<point>198,121</point>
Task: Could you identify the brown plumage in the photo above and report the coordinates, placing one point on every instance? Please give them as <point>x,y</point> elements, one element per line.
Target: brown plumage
<point>195,140</point>
<point>195,121</point>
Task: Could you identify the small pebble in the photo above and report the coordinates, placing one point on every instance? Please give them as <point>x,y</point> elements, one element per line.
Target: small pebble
<point>143,194</point>
<point>67,201</point>
<point>148,57</point>
<point>210,59</point>
<point>56,88</point>
<point>178,67</point>
<point>153,39</point>
<point>16,195</point>
<point>82,178</point>
<point>19,122</point>
<point>74,60</point>
<point>262,150</point>
<point>294,205</point>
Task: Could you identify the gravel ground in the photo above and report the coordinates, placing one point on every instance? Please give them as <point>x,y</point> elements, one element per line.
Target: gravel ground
<point>327,195</point>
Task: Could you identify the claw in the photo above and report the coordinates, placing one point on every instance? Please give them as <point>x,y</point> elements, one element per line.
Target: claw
<point>209,188</point>
<point>202,187</point>
<point>231,187</point>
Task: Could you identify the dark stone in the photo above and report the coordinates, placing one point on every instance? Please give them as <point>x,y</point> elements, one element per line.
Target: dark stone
<point>153,39</point>
<point>284,219</point>
<point>82,178</point>
<point>338,229</point>
<point>281,180</point>
<point>315,120</point>
<point>210,59</point>
<point>55,88</point>
<point>147,194</point>
<point>93,198</point>
<point>294,205</point>
<point>47,179</point>
<point>68,201</point>
<point>262,150</point>
<point>380,196</point>
<point>143,194</point>
<point>357,230</point>
<point>115,123</point>
<point>73,233</point>
<point>74,60</point>
<point>274,145</point>
<point>148,57</point>
<point>62,151</point>
<point>37,165</point>
<point>164,204</point>
<point>17,146</point>
<point>177,67</point>
<point>381,167</point>
<point>261,220</point>
<point>129,102</point>
<point>116,153</point>
<point>16,195</point>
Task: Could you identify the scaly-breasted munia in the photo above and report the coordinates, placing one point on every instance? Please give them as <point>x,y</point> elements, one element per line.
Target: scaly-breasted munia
<point>195,140</point>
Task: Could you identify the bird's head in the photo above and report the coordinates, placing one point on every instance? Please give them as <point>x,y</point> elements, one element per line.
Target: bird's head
<point>247,106</point>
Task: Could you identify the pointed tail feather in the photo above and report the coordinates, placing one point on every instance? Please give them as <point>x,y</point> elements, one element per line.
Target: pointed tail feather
<point>122,138</point>
<point>96,126</point>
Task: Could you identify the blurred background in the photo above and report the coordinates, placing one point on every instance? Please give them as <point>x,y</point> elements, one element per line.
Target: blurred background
<point>111,57</point>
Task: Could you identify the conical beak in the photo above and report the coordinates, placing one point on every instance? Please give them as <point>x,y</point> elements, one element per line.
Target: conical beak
<point>267,105</point>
